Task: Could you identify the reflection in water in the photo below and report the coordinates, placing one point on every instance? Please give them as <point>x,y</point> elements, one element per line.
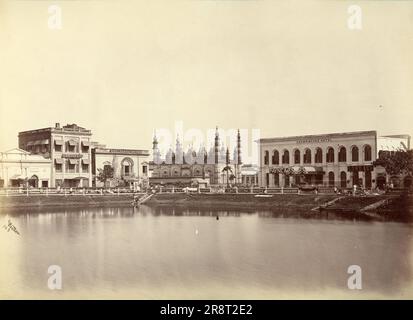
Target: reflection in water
<point>178,253</point>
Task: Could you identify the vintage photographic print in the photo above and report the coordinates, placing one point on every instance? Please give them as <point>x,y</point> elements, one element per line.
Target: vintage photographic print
<point>206,150</point>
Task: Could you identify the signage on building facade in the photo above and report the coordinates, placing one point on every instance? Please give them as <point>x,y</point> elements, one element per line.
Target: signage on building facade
<point>317,140</point>
<point>360,168</point>
<point>72,155</point>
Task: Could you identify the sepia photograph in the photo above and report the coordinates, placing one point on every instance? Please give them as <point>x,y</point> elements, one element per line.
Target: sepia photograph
<point>206,150</point>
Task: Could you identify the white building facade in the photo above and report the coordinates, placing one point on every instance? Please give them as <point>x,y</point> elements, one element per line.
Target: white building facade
<point>337,159</point>
<point>19,168</point>
<point>130,166</point>
<point>249,175</point>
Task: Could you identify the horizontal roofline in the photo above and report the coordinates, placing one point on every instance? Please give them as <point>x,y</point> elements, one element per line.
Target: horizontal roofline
<point>121,151</point>
<point>402,136</point>
<point>326,135</point>
<point>55,130</point>
<point>36,130</point>
<point>65,129</point>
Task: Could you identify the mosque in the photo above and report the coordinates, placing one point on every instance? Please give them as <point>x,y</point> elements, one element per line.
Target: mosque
<point>213,167</point>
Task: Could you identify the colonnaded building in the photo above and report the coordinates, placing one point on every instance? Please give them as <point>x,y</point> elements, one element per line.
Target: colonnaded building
<point>214,167</point>
<point>335,159</point>
<point>67,157</point>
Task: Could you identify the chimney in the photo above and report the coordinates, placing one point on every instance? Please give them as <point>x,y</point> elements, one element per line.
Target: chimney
<point>57,126</point>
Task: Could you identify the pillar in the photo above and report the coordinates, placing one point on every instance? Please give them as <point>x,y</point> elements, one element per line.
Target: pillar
<point>271,177</point>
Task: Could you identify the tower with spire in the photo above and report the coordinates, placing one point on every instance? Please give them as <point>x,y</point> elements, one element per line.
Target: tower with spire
<point>179,153</point>
<point>227,158</point>
<point>184,166</point>
<point>239,148</point>
<point>237,158</point>
<point>156,155</point>
<point>216,146</point>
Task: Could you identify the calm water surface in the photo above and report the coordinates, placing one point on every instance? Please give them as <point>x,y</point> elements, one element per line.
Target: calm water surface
<point>153,253</point>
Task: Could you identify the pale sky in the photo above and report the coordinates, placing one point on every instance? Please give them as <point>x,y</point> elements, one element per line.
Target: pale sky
<point>124,68</point>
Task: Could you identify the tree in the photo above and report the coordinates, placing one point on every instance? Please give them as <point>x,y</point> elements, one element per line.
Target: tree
<point>286,171</point>
<point>396,163</point>
<point>105,174</point>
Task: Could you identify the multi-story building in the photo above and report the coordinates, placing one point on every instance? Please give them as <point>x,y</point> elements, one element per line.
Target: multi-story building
<point>335,159</point>
<point>130,166</point>
<point>19,168</point>
<point>68,148</point>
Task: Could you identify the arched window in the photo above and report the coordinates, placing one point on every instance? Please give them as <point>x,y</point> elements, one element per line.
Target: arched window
<point>331,178</point>
<point>34,181</point>
<point>342,155</point>
<point>367,153</point>
<point>297,156</point>
<point>343,179</point>
<point>330,155</point>
<point>127,167</point>
<point>307,156</point>
<point>355,154</point>
<point>286,157</point>
<point>275,157</point>
<point>318,155</point>
<point>197,171</point>
<point>266,157</point>
<point>107,168</point>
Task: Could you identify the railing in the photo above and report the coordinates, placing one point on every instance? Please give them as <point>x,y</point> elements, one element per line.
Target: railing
<point>245,190</point>
<point>125,191</point>
<point>65,191</point>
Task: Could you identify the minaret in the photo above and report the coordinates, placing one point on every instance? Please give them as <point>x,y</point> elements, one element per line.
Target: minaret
<point>169,156</point>
<point>238,160</point>
<point>190,155</point>
<point>239,148</point>
<point>202,155</point>
<point>227,157</point>
<point>216,146</point>
<point>155,141</point>
<point>179,154</point>
<point>155,150</point>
